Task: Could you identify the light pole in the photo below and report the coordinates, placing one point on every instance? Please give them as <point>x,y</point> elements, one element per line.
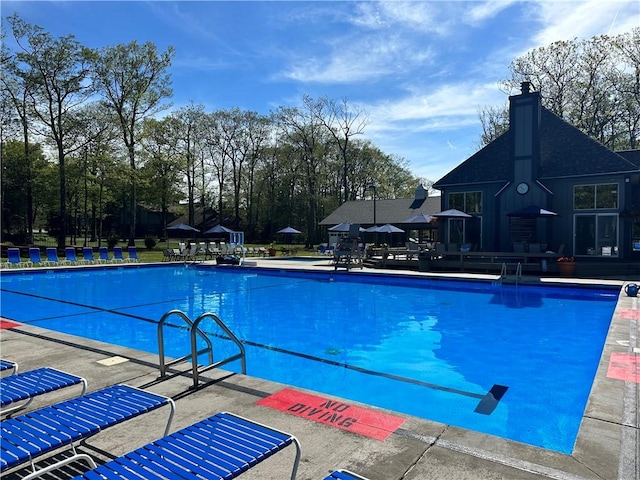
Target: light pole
<point>374,187</point>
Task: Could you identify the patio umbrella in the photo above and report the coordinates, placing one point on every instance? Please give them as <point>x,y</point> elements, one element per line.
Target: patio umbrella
<point>182,230</point>
<point>418,219</point>
<point>388,228</point>
<point>218,229</point>
<point>288,232</point>
<point>183,227</point>
<point>452,213</point>
<point>343,227</point>
<point>532,211</point>
<point>420,222</point>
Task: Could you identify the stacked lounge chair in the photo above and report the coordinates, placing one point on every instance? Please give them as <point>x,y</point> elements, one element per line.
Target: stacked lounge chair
<point>8,367</point>
<point>219,447</point>
<point>19,390</point>
<point>28,437</point>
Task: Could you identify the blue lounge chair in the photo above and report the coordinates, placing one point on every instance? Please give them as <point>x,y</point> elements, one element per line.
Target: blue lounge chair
<point>344,475</point>
<point>133,254</point>
<point>13,257</point>
<point>220,447</point>
<point>27,437</point>
<point>104,255</point>
<point>52,256</point>
<point>117,254</point>
<point>19,390</point>
<point>70,255</point>
<point>7,366</point>
<point>87,255</point>
<point>34,256</point>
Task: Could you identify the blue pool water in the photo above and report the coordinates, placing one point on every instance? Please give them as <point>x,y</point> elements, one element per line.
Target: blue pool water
<point>432,349</point>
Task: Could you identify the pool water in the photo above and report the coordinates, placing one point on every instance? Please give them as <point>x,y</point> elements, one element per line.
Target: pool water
<point>428,348</point>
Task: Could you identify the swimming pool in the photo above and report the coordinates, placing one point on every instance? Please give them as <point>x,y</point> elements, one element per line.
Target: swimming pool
<point>517,362</point>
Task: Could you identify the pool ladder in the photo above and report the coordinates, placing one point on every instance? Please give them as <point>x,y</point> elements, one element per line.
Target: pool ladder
<point>503,272</point>
<point>194,333</point>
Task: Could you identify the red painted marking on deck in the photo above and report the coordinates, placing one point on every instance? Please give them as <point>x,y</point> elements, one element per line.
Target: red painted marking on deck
<point>335,413</point>
<point>624,366</point>
<point>630,313</point>
<point>7,324</point>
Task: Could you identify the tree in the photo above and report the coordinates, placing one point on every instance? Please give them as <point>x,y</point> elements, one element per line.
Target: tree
<point>306,134</point>
<point>593,84</point>
<point>133,79</point>
<point>56,73</point>
<point>343,123</point>
<point>494,121</point>
<point>160,178</point>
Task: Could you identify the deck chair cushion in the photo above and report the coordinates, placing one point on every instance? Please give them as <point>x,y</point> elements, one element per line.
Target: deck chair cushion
<point>17,391</point>
<point>220,447</point>
<point>28,436</point>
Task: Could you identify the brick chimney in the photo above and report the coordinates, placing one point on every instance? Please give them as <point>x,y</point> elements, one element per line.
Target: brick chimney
<point>524,126</point>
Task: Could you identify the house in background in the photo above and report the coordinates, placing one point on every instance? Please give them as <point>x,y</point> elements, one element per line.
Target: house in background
<point>544,181</point>
<point>368,213</point>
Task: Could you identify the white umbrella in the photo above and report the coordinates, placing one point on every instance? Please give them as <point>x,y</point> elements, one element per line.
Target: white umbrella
<point>452,213</point>
<point>289,230</point>
<point>388,228</point>
<point>343,227</point>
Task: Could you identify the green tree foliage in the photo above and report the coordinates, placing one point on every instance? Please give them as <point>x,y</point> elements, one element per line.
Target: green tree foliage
<point>116,154</point>
<point>15,191</point>
<point>55,72</point>
<point>133,79</point>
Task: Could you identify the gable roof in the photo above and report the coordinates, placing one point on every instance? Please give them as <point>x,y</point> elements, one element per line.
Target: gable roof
<point>387,211</point>
<point>565,151</point>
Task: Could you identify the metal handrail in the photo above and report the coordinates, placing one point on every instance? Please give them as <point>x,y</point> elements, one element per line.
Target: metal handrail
<point>503,270</point>
<point>194,355</point>
<point>192,332</point>
<point>518,272</point>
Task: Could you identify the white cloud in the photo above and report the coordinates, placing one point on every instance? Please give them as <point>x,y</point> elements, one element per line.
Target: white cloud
<point>585,19</point>
<point>486,10</point>
<point>360,59</point>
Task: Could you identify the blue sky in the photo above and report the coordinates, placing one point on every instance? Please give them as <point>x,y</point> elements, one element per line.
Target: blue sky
<point>420,69</point>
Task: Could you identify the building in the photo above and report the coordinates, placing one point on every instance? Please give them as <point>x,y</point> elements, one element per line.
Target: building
<point>368,213</point>
<point>545,181</point>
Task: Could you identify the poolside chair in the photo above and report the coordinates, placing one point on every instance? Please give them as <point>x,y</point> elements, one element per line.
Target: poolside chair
<point>34,257</point>
<point>223,446</point>
<point>27,437</point>
<point>52,256</point>
<point>87,255</point>
<point>191,253</point>
<point>104,255</point>
<point>70,255</point>
<point>347,254</point>
<point>13,257</point>
<point>341,474</point>
<point>117,254</point>
<point>133,254</point>
<point>19,390</point>
<point>8,367</point>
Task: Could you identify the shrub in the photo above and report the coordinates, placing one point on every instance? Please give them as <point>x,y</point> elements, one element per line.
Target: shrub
<point>112,240</point>
<point>150,242</point>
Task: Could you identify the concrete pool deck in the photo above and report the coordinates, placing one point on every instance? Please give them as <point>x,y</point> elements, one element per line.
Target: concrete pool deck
<point>606,448</point>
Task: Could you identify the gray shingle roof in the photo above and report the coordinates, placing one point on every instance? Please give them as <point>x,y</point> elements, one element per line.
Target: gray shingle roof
<point>387,211</point>
<point>564,152</point>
